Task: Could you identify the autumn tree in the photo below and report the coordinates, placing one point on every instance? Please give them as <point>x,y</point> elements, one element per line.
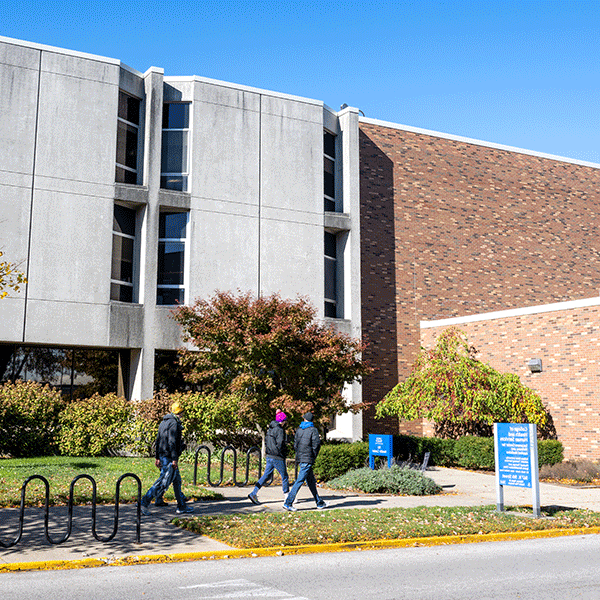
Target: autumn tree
<point>10,277</point>
<point>272,354</point>
<point>461,394</point>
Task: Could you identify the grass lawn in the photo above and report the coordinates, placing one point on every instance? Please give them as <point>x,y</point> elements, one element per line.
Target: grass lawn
<point>263,530</point>
<point>61,470</point>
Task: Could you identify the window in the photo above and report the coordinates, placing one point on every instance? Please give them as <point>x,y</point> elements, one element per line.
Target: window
<point>330,275</point>
<point>329,170</point>
<point>128,123</point>
<point>121,278</point>
<point>174,160</point>
<point>171,258</point>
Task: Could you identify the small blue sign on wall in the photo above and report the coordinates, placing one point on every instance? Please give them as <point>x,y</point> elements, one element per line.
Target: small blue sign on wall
<point>381,445</point>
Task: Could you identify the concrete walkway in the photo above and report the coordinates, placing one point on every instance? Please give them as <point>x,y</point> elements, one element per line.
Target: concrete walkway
<point>159,537</point>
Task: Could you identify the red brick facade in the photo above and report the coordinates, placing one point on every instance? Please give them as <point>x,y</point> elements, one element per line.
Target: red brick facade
<point>568,343</point>
<point>452,228</point>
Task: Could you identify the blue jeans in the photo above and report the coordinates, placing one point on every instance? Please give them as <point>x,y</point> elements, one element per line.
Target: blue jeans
<point>158,488</point>
<point>272,464</point>
<point>305,473</point>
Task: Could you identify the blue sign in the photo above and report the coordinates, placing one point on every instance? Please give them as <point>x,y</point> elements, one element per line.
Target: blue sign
<point>380,445</point>
<point>514,454</point>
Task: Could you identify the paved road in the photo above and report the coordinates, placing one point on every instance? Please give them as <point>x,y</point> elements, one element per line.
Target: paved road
<point>158,536</point>
<point>548,569</point>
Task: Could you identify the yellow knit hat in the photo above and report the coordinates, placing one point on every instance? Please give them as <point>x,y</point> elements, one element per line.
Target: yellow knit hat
<point>176,408</point>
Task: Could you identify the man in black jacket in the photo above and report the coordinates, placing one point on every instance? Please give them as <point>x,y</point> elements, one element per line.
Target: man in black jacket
<point>169,446</point>
<point>306,444</point>
<point>275,445</point>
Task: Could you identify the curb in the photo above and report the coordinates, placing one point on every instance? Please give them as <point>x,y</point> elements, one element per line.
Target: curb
<point>51,565</point>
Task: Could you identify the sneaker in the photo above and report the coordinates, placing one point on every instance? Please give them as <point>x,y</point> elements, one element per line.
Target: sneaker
<point>161,503</point>
<point>144,510</point>
<point>289,507</point>
<point>253,498</point>
<point>186,510</point>
<point>322,505</point>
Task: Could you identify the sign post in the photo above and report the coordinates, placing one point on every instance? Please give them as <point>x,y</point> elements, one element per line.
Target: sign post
<point>516,453</point>
<point>381,445</point>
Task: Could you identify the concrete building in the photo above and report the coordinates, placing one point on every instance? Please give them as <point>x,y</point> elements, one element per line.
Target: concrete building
<point>124,193</point>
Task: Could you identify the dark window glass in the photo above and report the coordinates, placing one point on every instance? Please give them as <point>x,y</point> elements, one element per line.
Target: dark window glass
<point>125,176</point>
<point>122,293</point>
<point>170,263</point>
<point>176,116</point>
<point>127,140</point>
<point>122,259</point>
<point>174,182</point>
<point>329,178</point>
<point>174,152</point>
<point>329,205</point>
<point>330,245</point>
<point>129,108</point>
<point>124,220</point>
<point>329,144</point>
<point>330,310</point>
<point>330,283</point>
<point>169,296</point>
<point>172,225</point>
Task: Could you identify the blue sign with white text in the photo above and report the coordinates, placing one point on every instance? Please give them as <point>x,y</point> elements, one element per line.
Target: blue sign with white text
<point>380,445</point>
<point>514,454</point>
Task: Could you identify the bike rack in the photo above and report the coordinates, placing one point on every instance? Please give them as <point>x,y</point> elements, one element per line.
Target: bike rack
<point>70,510</point>
<point>254,449</point>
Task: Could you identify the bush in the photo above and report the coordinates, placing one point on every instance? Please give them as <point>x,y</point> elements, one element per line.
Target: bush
<point>395,480</point>
<point>413,447</point>
<point>96,426</point>
<point>29,419</point>
<point>575,470</point>
<point>147,415</point>
<point>336,459</point>
<point>550,452</point>
<point>475,452</point>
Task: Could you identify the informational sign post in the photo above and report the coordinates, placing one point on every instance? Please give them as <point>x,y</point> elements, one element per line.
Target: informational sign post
<point>516,452</point>
<point>381,445</point>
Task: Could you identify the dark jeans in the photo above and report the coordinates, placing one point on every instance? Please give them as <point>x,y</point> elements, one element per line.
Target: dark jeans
<point>305,473</point>
<point>272,464</point>
<point>162,483</point>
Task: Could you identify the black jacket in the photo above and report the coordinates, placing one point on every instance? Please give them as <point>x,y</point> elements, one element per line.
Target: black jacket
<point>168,440</point>
<point>307,443</point>
<point>275,440</point>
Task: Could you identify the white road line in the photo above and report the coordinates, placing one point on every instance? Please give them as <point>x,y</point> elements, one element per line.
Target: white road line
<point>239,588</point>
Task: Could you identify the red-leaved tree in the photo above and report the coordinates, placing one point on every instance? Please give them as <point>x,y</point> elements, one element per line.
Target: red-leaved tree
<point>272,353</point>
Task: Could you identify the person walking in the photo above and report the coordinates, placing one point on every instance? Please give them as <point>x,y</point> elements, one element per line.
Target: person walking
<point>169,446</point>
<point>276,450</point>
<point>306,444</point>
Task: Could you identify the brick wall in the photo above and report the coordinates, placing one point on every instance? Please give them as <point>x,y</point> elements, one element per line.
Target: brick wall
<point>450,228</point>
<point>568,342</point>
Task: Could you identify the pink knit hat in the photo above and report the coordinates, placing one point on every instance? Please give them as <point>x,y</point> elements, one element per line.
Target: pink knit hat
<point>280,416</point>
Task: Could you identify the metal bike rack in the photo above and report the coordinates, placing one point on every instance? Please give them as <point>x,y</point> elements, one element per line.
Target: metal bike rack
<point>70,509</point>
<point>252,450</point>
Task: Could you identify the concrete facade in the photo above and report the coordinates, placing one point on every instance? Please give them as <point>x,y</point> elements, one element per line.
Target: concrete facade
<point>425,226</point>
<point>254,200</point>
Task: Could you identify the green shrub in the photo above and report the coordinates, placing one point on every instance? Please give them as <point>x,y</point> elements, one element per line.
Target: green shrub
<point>395,480</point>
<point>550,452</point>
<point>474,452</point>
<point>441,450</point>
<point>96,426</point>
<point>29,414</point>
<point>336,459</point>
<point>147,415</point>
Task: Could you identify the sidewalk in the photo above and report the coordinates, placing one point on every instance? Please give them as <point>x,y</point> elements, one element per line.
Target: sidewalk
<point>159,537</point>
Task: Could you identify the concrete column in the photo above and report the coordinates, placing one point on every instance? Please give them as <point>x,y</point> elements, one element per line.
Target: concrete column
<point>142,361</point>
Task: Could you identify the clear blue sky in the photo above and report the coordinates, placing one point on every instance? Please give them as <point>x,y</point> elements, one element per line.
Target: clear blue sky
<point>521,73</point>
